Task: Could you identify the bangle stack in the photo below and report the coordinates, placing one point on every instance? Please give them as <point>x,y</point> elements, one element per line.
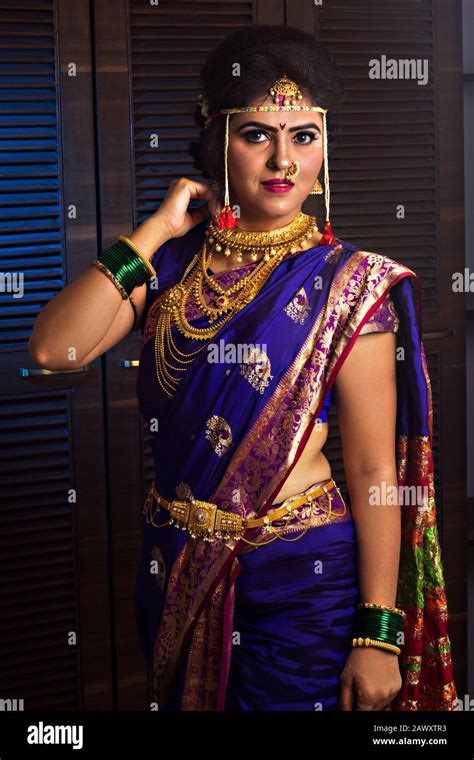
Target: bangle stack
<point>378,625</point>
<point>126,267</point>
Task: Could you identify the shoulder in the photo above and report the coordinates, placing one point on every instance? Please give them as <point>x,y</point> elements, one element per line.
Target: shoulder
<point>375,263</point>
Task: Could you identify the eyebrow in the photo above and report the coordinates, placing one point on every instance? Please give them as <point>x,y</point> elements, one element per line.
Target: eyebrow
<point>274,129</point>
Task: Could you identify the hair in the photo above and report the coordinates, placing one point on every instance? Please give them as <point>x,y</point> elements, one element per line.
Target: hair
<point>264,54</point>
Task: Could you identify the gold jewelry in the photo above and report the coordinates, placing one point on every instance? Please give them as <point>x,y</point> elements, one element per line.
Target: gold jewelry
<point>293,171</point>
<point>141,255</point>
<point>119,287</point>
<point>275,244</point>
<point>317,188</point>
<point>111,277</point>
<point>373,605</point>
<point>360,642</point>
<point>204,520</point>
<point>235,240</point>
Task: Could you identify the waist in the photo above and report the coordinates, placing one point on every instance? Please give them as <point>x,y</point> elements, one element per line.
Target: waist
<point>318,505</point>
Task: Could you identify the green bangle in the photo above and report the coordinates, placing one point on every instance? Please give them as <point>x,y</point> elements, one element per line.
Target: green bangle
<point>378,624</point>
<point>125,265</point>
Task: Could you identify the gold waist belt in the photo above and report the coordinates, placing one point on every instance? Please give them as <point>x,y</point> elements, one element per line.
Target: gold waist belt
<point>204,520</point>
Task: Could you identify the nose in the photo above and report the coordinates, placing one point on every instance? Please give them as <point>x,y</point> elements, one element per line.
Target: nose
<point>280,158</point>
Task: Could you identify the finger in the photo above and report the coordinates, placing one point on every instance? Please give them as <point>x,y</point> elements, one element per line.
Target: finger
<point>346,699</point>
<point>364,704</point>
<point>200,190</point>
<point>199,214</point>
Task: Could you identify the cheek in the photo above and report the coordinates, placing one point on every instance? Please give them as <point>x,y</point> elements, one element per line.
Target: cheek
<point>243,158</point>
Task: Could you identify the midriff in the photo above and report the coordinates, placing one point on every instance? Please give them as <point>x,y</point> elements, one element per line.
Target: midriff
<point>311,467</point>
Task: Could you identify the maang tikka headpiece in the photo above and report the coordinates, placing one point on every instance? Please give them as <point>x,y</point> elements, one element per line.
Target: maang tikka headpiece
<point>286,96</point>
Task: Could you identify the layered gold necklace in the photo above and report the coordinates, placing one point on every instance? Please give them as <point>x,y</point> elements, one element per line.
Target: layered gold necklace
<point>272,246</point>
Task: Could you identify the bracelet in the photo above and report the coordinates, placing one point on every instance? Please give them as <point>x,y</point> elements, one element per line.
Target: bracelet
<point>134,307</point>
<point>146,261</point>
<point>378,622</point>
<point>372,605</point>
<point>112,278</point>
<point>361,642</point>
<point>120,289</point>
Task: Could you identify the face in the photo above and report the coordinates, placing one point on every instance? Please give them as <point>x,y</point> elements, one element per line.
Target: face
<point>262,147</point>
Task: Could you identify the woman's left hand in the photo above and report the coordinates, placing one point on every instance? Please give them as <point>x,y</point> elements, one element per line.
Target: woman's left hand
<point>374,674</point>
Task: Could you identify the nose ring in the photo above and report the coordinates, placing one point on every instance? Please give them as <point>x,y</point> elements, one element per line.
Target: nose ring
<point>293,170</point>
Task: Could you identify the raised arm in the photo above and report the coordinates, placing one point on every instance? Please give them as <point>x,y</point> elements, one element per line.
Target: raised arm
<point>89,316</point>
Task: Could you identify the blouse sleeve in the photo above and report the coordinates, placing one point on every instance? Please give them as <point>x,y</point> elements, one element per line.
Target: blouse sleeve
<point>384,319</point>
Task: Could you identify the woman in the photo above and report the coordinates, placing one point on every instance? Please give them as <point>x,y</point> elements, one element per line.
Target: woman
<point>274,593</point>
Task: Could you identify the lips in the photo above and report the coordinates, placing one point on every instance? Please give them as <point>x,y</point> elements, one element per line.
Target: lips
<point>277,183</point>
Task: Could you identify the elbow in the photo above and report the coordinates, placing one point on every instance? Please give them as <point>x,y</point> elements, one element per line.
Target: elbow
<point>44,359</point>
<point>38,354</point>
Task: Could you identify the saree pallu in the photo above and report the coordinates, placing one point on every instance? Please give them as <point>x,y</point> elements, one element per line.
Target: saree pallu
<point>232,433</point>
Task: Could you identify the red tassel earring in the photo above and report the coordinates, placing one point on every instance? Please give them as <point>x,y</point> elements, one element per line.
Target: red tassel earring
<point>328,237</point>
<point>226,218</point>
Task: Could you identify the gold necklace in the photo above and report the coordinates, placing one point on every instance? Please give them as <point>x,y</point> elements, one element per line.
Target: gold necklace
<point>235,240</point>
<point>172,304</point>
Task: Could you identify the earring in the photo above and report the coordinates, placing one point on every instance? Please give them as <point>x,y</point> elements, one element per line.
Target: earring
<point>317,188</point>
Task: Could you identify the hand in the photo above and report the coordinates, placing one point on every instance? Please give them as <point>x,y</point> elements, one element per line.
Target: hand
<point>173,212</point>
<point>374,674</point>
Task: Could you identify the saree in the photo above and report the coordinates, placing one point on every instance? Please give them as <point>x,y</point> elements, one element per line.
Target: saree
<point>232,433</point>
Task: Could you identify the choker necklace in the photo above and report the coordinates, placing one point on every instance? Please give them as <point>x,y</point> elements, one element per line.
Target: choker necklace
<point>171,305</point>
<point>292,236</point>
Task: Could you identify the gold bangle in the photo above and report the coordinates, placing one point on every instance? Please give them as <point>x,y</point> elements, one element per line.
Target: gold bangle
<point>111,277</point>
<point>134,307</point>
<point>142,256</point>
<point>372,605</point>
<point>360,642</point>
<point>119,287</point>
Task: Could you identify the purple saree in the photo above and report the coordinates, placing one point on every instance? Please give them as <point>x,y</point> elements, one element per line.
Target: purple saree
<point>231,435</point>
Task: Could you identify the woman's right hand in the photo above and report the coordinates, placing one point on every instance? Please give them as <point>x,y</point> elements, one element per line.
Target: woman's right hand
<point>173,211</point>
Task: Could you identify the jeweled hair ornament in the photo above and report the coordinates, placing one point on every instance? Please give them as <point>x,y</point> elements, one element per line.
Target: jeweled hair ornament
<point>286,96</point>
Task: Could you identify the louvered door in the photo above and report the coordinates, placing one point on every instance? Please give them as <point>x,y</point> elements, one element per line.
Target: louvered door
<point>397,189</point>
<point>55,646</point>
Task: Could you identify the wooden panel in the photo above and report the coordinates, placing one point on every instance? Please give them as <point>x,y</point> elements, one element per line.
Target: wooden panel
<point>55,650</point>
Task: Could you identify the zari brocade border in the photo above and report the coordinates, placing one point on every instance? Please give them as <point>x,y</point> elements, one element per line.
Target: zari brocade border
<point>199,584</point>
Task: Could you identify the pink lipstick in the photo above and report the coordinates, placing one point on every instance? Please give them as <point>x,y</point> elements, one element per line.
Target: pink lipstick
<point>277,185</point>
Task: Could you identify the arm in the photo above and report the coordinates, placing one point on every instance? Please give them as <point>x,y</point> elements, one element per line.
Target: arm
<point>366,407</point>
<point>88,316</point>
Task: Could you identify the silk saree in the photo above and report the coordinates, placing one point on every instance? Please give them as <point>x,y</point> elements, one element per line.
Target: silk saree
<point>232,433</point>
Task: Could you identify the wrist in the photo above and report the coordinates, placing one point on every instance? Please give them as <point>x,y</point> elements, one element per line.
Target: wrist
<point>150,235</point>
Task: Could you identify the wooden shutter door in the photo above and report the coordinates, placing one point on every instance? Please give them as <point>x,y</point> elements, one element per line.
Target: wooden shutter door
<point>55,646</point>
<point>401,143</point>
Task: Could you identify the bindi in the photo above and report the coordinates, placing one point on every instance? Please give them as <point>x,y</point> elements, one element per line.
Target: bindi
<point>282,126</point>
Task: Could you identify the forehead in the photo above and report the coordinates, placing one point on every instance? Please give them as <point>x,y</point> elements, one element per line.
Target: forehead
<point>291,118</point>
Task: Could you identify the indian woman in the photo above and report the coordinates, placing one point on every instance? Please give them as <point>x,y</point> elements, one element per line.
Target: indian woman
<point>260,587</point>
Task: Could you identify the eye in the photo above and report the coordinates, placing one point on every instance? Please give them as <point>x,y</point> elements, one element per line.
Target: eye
<point>248,135</point>
<point>311,135</point>
<point>251,136</point>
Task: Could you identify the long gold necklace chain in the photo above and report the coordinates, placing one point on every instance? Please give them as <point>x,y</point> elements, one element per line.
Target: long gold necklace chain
<point>172,305</point>
<point>222,298</point>
<point>292,238</point>
<point>172,309</point>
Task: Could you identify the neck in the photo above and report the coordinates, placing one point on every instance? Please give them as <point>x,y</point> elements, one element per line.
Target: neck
<point>258,223</point>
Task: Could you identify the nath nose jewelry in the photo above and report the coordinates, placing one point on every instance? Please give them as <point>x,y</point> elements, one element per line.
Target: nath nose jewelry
<point>293,171</point>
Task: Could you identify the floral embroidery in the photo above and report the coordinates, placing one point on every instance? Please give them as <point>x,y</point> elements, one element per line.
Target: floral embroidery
<point>256,369</point>
<point>219,434</point>
<point>298,308</point>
